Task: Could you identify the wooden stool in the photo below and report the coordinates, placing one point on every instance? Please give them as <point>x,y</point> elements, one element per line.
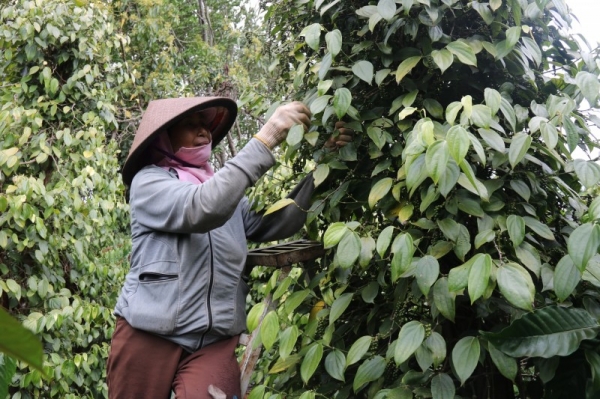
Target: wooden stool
<point>281,256</point>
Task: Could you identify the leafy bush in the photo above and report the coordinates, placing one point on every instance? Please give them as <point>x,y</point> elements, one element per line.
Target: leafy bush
<point>63,241</point>
<point>462,226</point>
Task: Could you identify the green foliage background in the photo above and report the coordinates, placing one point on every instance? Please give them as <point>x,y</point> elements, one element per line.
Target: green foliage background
<point>462,233</point>
<point>462,230</point>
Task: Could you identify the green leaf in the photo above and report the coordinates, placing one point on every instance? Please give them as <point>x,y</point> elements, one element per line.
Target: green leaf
<point>294,300</point>
<point>509,113</point>
<point>442,387</point>
<point>479,276</point>
<point>484,11</point>
<point>387,9</point>
<point>481,115</point>
<point>518,148</point>
<point>403,255</point>
<point>493,99</point>
<point>506,365</point>
<point>381,75</point>
<point>348,250</point>
<point>325,66</point>
<point>319,104</point>
<point>279,205</point>
<point>334,41</point>
<point>484,237</point>
<point>377,135</point>
<point>547,332</point>
<point>253,319</point>
<point>428,270</point>
<point>369,371</point>
<point>287,341</point>
<point>334,234</point>
<point>311,361</point>
<point>539,228</point>
<point>572,133</point>
<point>321,174</point>
<point>369,293</point>
<point>465,356</point>
<point>443,59</point>
<point>534,51</point>
<point>312,34</point>
<point>529,257</point>
<point>364,70</point>
<point>583,244</point>
<point>463,242</point>
<point>282,365</point>
<point>513,34</point>
<point>410,338</point>
<point>437,346</point>
<point>549,134</point>
<point>521,188</point>
<point>339,306</point>
<point>594,209</point>
<point>8,367</point>
<point>379,190</point>
<point>449,228</point>
<point>406,66</point>
<point>384,239</point>
<point>463,51</point>
<point>436,159</point>
<point>20,343</point>
<point>516,229</point>
<point>449,179</point>
<point>588,172</point>
<point>434,108</point>
<point>335,364</point>
<point>416,173</point>
<point>443,299</point>
<point>308,395</point>
<point>458,143</point>
<point>594,361</point>
<point>269,329</point>
<point>452,111</point>
<point>589,86</point>
<point>358,349</point>
<point>406,112</point>
<point>516,285</point>
<point>566,277</point>
<point>341,101</point>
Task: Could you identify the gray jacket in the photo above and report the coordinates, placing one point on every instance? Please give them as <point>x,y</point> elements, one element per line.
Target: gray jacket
<point>189,248</point>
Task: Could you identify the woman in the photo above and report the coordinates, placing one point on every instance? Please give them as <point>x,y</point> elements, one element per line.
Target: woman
<point>182,306</point>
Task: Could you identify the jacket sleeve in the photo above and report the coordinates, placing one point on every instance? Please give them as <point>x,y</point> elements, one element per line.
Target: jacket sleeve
<point>284,222</point>
<point>160,202</point>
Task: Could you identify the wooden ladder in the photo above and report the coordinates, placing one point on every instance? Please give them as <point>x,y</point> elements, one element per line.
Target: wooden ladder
<point>281,256</point>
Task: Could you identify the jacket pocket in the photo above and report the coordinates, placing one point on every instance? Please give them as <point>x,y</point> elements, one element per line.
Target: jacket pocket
<point>155,304</point>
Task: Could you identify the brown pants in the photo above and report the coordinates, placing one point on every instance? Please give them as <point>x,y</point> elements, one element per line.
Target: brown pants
<point>144,366</point>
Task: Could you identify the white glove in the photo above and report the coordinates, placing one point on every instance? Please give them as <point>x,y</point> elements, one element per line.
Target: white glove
<point>282,120</point>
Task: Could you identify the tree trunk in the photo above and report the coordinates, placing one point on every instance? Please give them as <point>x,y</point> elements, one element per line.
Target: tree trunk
<point>204,22</point>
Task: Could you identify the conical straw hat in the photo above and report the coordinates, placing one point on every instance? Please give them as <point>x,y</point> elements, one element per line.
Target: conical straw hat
<point>220,113</point>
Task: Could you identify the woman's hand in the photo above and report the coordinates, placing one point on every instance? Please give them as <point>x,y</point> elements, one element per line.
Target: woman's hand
<point>282,120</point>
<point>345,136</point>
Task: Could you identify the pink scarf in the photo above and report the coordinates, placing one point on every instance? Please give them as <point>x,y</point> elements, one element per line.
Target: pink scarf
<point>191,164</point>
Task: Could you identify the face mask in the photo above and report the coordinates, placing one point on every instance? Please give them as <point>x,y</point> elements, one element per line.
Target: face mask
<point>191,164</point>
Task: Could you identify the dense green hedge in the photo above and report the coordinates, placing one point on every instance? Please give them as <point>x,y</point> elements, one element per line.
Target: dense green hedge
<point>63,228</point>
<point>462,227</point>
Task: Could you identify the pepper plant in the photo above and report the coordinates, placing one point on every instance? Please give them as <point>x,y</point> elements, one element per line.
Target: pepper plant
<point>461,224</point>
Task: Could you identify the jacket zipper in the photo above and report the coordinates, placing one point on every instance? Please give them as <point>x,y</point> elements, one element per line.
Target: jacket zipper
<point>210,288</point>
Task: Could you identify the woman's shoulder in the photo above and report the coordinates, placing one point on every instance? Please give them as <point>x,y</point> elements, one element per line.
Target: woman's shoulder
<point>153,172</point>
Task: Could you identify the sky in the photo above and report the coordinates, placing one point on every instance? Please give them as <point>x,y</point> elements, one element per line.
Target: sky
<point>588,14</point>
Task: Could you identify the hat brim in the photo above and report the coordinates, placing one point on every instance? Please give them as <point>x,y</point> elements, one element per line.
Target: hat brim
<point>162,114</point>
